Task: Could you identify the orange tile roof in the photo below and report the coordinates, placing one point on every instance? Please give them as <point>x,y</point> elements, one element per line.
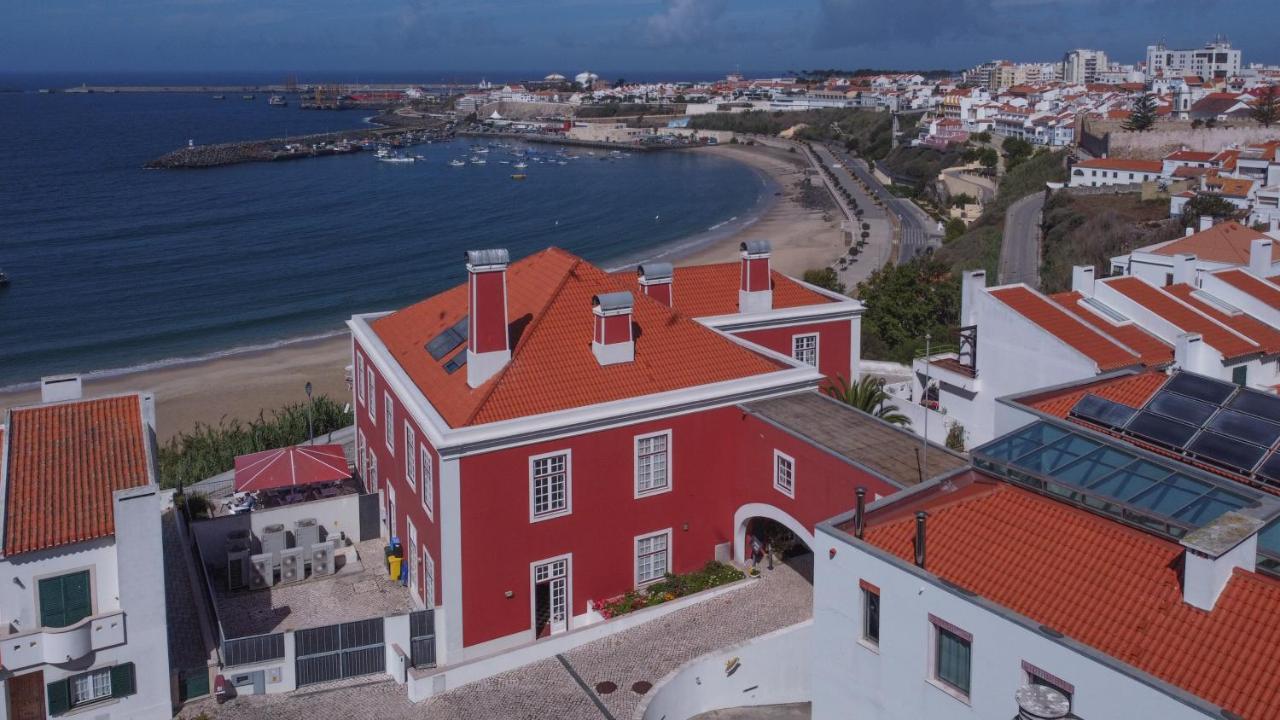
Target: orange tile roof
<point>1151,349</point>
<point>1227,242</point>
<point>1267,291</point>
<point>709,290</point>
<point>552,367</point>
<point>1066,327</point>
<point>1242,322</point>
<point>1020,549</point>
<point>1179,314</point>
<point>1231,187</point>
<point>65,461</point>
<point>1147,166</point>
<point>1131,390</point>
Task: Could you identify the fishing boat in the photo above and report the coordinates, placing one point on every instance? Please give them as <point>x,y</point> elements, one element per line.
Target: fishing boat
<point>277,100</point>
<point>385,155</point>
<point>518,176</point>
<point>457,163</point>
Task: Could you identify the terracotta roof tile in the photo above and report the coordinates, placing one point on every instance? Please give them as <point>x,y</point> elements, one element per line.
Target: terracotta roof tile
<point>709,290</point>
<point>1243,323</point>
<point>1266,291</point>
<point>1183,316</point>
<point>1131,390</point>
<point>1226,242</point>
<point>1151,349</point>
<point>1020,549</point>
<point>65,461</point>
<point>552,367</point>
<point>1065,326</point>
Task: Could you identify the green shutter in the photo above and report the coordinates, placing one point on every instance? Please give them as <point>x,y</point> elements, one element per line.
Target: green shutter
<point>76,598</point>
<point>122,684</point>
<point>52,608</point>
<point>59,697</point>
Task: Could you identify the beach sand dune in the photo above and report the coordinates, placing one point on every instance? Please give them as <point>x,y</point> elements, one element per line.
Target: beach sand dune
<point>242,385</point>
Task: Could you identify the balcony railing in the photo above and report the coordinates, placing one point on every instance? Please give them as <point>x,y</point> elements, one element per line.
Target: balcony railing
<point>62,645</point>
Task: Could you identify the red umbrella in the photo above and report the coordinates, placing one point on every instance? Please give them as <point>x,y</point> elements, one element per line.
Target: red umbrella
<point>291,466</point>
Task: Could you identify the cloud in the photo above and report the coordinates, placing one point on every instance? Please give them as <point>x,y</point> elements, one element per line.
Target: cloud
<point>685,22</point>
<point>847,23</point>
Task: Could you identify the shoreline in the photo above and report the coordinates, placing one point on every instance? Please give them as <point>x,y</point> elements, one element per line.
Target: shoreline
<point>241,382</point>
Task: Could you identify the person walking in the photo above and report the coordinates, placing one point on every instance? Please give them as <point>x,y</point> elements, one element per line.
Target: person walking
<point>757,550</point>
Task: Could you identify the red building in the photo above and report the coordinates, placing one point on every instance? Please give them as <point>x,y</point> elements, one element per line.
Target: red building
<point>547,434</point>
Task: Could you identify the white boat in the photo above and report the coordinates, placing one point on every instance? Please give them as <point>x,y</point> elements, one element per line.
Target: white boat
<point>521,164</point>
<point>384,155</point>
<point>457,163</point>
<point>477,161</point>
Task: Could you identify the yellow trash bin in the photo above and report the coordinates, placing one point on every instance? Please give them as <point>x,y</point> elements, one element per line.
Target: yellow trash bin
<point>394,561</point>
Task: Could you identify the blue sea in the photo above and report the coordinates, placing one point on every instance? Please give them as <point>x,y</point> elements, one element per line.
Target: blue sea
<point>115,267</point>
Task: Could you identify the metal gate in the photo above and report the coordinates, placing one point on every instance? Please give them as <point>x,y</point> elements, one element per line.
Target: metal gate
<point>370,519</point>
<point>340,651</point>
<point>422,638</point>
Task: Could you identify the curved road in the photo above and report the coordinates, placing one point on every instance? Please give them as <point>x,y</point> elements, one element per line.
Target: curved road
<point>1020,246</point>
<point>917,229</point>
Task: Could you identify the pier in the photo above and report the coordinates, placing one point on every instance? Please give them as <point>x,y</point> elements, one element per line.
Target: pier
<point>562,140</point>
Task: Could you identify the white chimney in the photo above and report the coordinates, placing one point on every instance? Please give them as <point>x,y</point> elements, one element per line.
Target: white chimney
<point>1082,278</point>
<point>1189,232</point>
<point>755,291</point>
<point>57,388</point>
<point>1213,552</point>
<point>1206,222</point>
<point>1260,257</point>
<point>972,282</point>
<point>1274,226</point>
<point>1191,354</point>
<point>1184,269</point>
<point>612,341</point>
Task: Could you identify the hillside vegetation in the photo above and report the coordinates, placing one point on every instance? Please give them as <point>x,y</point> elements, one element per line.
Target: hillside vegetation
<point>917,166</point>
<point>867,132</point>
<point>1091,229</point>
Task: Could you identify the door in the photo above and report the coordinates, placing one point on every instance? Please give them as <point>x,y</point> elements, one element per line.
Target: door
<point>551,597</point>
<point>412,559</point>
<point>26,696</point>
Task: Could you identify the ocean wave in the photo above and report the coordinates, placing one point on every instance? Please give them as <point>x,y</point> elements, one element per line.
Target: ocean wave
<point>186,360</point>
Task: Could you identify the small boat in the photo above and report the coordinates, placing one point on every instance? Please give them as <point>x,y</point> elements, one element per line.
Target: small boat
<point>277,100</point>
<point>518,176</point>
<point>521,164</point>
<point>477,161</point>
<point>219,97</point>
<point>385,155</point>
<point>457,163</point>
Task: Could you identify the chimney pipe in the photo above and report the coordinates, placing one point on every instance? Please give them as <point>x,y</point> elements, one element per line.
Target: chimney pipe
<point>859,516</point>
<point>1184,269</point>
<point>755,291</point>
<point>656,281</point>
<point>1260,257</point>
<point>1206,222</point>
<point>488,345</point>
<point>58,388</point>
<point>920,516</point>
<point>1082,278</point>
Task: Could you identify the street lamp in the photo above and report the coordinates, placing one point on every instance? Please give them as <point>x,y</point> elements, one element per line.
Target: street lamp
<point>924,463</point>
<point>311,436</point>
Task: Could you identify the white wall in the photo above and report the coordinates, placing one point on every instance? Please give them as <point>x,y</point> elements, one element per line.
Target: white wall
<point>772,669</point>
<point>335,515</point>
<point>892,682</point>
<point>19,576</point>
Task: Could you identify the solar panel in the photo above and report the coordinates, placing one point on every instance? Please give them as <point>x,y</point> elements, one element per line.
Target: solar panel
<point>1245,427</point>
<point>1102,411</point>
<point>1200,387</point>
<point>458,361</point>
<point>1161,429</point>
<point>1229,452</point>
<point>448,339</point>
<point>1256,403</point>
<point>1270,470</point>
<point>1181,407</point>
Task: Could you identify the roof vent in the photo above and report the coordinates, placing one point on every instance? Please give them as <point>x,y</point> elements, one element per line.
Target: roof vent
<point>1041,702</point>
<point>58,388</point>
<point>755,292</point>
<point>656,281</point>
<point>612,341</point>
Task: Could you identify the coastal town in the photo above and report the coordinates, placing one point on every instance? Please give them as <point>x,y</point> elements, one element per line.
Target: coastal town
<point>977,415</point>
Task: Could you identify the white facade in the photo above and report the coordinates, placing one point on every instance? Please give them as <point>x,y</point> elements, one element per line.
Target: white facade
<point>1215,59</point>
<point>1083,66</point>
<point>1104,173</point>
<point>892,679</point>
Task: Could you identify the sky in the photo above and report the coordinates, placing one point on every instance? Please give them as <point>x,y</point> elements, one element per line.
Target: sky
<point>567,36</point>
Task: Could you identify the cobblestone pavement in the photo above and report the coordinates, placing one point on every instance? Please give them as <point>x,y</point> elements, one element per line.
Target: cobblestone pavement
<point>794,711</point>
<point>547,689</point>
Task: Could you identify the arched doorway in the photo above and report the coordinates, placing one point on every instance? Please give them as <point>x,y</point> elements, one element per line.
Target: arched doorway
<point>764,518</point>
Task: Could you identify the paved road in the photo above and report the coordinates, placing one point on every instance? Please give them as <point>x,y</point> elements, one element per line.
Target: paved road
<point>879,245</point>
<point>981,188</point>
<point>917,228</point>
<point>1020,248</point>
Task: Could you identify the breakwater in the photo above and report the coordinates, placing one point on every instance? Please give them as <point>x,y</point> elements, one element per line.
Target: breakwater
<point>562,140</point>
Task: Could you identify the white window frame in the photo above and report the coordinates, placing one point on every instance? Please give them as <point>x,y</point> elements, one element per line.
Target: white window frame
<point>389,418</point>
<point>373,393</point>
<point>778,456</point>
<point>359,377</point>
<point>936,625</point>
<point>568,590</point>
<point>816,347</point>
<point>429,577</point>
<point>635,556</point>
<point>657,490</point>
<point>410,442</point>
<point>427,468</point>
<point>99,689</point>
<point>568,486</point>
<point>412,549</point>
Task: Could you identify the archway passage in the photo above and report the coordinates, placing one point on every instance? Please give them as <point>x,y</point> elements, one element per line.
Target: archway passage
<point>787,537</point>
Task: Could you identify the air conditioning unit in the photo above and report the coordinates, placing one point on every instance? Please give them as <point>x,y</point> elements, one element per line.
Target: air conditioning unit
<point>237,568</point>
<point>262,573</point>
<point>322,559</point>
<point>273,541</point>
<point>306,532</point>
<point>292,565</point>
<point>239,538</point>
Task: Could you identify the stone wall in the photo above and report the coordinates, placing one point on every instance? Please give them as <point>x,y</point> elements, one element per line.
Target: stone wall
<point>1168,136</point>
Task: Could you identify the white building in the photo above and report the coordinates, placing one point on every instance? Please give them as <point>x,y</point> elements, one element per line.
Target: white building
<point>1216,59</point>
<point>1083,66</point>
<point>1214,247</point>
<point>82,593</point>
<point>976,596</point>
<point>1103,172</point>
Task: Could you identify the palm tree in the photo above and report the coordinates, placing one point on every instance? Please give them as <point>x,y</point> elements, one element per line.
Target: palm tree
<point>867,395</point>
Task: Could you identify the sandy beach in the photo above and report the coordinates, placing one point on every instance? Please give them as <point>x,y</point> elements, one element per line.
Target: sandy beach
<point>244,384</point>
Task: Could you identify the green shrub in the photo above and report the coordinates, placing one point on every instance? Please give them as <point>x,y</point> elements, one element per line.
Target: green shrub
<point>713,574</point>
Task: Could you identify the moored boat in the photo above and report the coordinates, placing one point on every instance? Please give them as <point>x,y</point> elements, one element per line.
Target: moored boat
<point>277,100</point>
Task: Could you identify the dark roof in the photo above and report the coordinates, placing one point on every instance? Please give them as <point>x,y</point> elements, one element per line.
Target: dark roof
<point>882,449</point>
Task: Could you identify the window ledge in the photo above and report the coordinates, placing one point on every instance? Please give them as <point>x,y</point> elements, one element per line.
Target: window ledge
<point>91,707</point>
<point>869,645</point>
<point>653,491</point>
<point>550,516</point>
<point>953,692</point>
